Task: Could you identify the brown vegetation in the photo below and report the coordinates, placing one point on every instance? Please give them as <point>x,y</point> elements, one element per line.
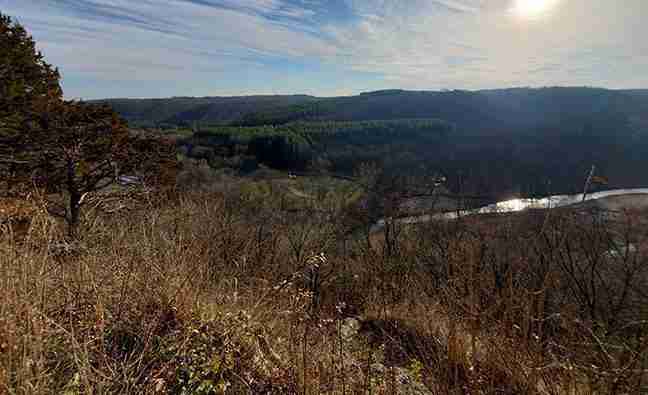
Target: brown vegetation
<point>225,293</point>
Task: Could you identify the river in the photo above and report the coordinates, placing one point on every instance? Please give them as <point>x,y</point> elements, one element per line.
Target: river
<point>515,205</point>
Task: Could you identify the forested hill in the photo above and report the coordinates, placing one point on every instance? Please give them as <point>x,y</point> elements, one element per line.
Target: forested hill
<point>211,110</point>
<point>470,110</point>
<point>510,112</point>
<point>532,141</point>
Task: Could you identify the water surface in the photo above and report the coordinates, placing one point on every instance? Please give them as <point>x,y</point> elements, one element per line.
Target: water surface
<point>515,205</point>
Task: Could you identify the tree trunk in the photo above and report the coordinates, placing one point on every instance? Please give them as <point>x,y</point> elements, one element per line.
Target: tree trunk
<point>588,181</point>
<point>75,200</point>
<point>73,220</point>
<point>11,177</point>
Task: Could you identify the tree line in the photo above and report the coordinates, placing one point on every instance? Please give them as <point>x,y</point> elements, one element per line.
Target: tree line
<point>332,145</point>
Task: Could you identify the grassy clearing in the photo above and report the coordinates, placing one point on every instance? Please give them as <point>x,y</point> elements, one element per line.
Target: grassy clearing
<point>225,293</point>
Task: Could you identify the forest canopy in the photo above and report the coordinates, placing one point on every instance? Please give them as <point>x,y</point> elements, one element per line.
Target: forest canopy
<point>342,145</point>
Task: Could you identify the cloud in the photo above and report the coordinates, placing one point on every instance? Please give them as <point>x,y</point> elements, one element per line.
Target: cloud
<point>167,39</point>
<point>325,47</point>
<point>482,44</point>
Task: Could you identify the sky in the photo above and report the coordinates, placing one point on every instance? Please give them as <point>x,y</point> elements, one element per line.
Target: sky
<point>162,48</point>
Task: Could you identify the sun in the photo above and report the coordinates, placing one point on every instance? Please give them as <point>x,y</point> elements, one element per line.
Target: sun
<point>533,8</point>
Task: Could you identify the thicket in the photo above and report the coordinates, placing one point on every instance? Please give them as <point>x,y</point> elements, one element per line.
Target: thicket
<point>226,293</point>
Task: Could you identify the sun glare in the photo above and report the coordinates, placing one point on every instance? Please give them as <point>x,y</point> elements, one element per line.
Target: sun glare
<point>533,8</point>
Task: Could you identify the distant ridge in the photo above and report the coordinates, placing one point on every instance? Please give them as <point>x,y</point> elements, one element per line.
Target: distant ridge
<point>475,110</point>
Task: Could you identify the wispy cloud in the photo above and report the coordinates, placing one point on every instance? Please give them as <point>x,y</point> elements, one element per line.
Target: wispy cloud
<point>205,47</point>
<point>481,44</point>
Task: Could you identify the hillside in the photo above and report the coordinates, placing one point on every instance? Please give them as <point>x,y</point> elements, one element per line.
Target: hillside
<point>482,110</point>
<point>186,110</point>
<point>495,142</point>
<point>232,293</point>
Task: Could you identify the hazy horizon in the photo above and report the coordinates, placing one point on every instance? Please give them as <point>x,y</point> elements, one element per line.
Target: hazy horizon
<point>369,91</point>
<point>198,48</point>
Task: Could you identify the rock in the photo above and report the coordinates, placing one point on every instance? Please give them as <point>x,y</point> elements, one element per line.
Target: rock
<point>350,328</point>
<point>378,369</point>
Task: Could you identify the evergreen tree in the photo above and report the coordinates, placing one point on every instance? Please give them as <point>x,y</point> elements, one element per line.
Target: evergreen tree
<point>66,148</point>
<point>27,84</point>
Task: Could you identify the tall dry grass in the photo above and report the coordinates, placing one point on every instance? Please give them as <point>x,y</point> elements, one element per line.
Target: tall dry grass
<point>225,293</point>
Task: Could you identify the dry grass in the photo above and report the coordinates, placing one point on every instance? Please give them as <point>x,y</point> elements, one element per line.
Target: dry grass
<point>227,294</point>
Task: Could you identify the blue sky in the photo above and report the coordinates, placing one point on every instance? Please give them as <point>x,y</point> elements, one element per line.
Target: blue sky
<point>160,48</point>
